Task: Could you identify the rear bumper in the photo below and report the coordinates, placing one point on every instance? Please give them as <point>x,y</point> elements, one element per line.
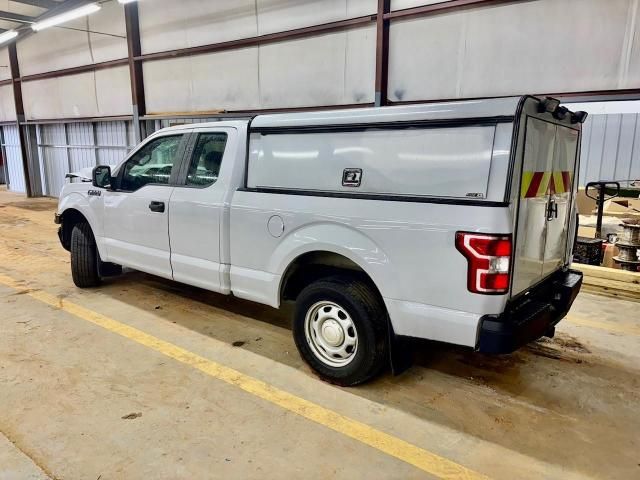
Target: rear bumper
<point>531,316</point>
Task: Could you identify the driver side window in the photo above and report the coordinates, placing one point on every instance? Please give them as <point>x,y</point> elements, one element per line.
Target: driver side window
<point>152,164</point>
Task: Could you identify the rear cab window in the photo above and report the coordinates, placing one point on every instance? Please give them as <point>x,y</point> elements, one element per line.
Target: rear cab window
<point>206,160</point>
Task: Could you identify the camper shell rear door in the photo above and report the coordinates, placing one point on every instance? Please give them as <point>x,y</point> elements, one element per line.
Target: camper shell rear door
<point>543,193</point>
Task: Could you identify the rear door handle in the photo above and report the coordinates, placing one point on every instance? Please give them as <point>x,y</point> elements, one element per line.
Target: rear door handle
<point>552,210</point>
<point>156,206</point>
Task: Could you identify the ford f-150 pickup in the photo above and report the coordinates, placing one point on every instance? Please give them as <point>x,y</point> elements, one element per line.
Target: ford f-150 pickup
<point>448,221</point>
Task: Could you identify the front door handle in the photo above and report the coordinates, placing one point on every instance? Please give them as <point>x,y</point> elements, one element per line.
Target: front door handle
<point>156,206</point>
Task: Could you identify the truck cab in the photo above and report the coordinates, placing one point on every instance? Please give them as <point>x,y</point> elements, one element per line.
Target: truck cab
<point>167,204</point>
<point>451,222</point>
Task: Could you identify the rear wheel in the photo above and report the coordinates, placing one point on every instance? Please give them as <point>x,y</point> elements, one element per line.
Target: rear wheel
<point>340,329</point>
<point>84,256</point>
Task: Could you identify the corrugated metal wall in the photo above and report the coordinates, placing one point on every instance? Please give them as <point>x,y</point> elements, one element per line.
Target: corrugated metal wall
<point>114,139</point>
<point>610,148</point>
<point>53,157</point>
<point>69,147</point>
<point>13,158</point>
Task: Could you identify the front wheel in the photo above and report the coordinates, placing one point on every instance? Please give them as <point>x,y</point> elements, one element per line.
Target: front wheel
<point>340,329</point>
<point>84,257</point>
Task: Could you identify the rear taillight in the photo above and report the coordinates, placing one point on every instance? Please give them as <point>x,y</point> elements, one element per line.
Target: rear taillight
<point>489,258</point>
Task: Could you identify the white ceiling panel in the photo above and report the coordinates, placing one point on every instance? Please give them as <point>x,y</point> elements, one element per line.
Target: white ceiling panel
<point>402,4</point>
<point>507,50</point>
<point>90,94</point>
<point>168,24</point>
<point>21,8</point>
<point>5,70</point>
<point>113,88</point>
<point>224,80</point>
<point>330,69</point>
<point>281,15</point>
<point>7,105</point>
<point>57,48</point>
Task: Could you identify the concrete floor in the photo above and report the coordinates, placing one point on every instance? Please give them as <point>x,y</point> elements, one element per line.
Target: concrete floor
<point>78,401</point>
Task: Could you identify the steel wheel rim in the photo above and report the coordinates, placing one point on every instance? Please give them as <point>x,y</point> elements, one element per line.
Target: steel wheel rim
<point>331,333</point>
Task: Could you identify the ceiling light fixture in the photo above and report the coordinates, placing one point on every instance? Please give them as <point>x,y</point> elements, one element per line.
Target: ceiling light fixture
<point>66,16</point>
<point>6,36</point>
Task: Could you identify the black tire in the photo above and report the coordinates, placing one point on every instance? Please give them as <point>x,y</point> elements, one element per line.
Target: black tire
<point>84,257</point>
<point>366,311</point>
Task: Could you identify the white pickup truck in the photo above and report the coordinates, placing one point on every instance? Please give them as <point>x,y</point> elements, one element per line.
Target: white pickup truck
<point>448,221</point>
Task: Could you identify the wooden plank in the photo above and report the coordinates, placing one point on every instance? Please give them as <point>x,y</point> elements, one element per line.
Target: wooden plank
<point>617,294</point>
<point>149,116</point>
<point>606,273</point>
<point>613,285</point>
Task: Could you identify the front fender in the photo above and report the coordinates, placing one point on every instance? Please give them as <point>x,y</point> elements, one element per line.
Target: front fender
<point>91,209</point>
<point>335,238</point>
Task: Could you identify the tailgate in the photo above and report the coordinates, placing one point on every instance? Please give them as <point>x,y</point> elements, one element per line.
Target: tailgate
<point>544,184</point>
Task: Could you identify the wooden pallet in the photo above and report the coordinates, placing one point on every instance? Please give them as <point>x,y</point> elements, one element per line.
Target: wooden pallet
<point>610,282</point>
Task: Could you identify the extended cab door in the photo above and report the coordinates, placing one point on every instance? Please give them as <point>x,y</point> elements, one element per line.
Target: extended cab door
<point>136,213</point>
<point>199,210</point>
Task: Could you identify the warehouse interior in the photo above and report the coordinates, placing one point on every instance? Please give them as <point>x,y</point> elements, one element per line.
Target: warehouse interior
<point>149,378</point>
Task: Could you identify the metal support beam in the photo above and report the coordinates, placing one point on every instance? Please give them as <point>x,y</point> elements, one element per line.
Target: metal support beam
<point>16,17</point>
<point>268,38</point>
<point>33,158</point>
<point>17,98</point>
<point>132,24</point>
<point>5,163</point>
<point>67,142</point>
<point>94,137</point>
<point>39,3</point>
<point>382,53</point>
<point>92,67</point>
<point>443,7</point>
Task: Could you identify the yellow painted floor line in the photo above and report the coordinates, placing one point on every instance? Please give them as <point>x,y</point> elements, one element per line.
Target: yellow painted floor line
<point>607,326</point>
<point>418,457</point>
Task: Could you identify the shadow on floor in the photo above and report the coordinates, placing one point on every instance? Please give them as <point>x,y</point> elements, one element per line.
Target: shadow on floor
<point>554,385</point>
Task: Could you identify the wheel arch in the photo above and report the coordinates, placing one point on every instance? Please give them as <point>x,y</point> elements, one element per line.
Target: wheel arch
<point>73,209</point>
<point>316,264</point>
<point>328,248</point>
<point>70,218</point>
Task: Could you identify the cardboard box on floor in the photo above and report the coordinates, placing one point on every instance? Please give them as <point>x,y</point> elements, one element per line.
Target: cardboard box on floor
<point>620,207</point>
<point>584,203</point>
<point>587,225</point>
<point>587,232</point>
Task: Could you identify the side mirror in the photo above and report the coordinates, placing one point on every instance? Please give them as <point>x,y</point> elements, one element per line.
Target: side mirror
<point>101,176</point>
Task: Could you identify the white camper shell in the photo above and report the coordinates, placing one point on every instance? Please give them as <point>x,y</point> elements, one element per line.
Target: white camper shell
<point>450,221</point>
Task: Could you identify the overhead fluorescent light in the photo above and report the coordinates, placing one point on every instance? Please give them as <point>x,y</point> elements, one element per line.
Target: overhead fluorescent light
<point>66,16</point>
<point>6,36</point>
